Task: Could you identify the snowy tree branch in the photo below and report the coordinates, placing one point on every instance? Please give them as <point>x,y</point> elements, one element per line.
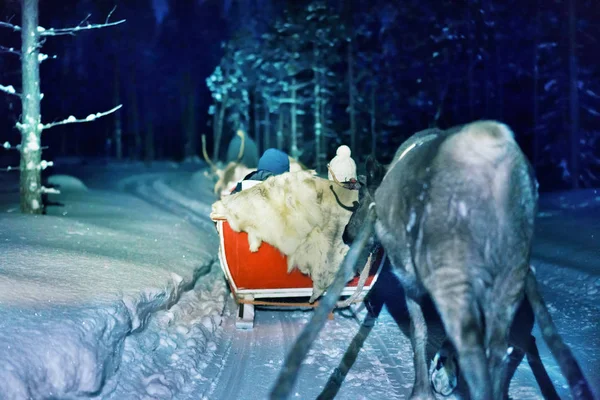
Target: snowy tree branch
<point>9,50</point>
<point>80,27</point>
<point>10,90</point>
<point>8,146</point>
<point>15,28</point>
<point>72,120</point>
<point>109,14</point>
<point>9,168</point>
<point>45,164</point>
<point>45,189</point>
<point>291,101</point>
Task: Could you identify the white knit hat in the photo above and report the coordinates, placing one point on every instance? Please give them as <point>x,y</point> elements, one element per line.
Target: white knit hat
<point>342,165</point>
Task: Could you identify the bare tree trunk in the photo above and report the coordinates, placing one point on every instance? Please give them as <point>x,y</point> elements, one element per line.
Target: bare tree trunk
<point>267,130</point>
<point>219,127</point>
<point>489,43</point>
<point>215,125</point>
<point>280,128</point>
<point>573,96</point>
<point>118,133</point>
<point>318,126</point>
<point>323,101</point>
<point>373,116</point>
<point>192,145</point>
<point>256,120</point>
<point>188,91</point>
<point>471,53</point>
<point>499,83</point>
<point>294,123</point>
<point>149,153</point>
<point>351,101</point>
<point>31,131</point>
<point>536,78</point>
<point>135,120</point>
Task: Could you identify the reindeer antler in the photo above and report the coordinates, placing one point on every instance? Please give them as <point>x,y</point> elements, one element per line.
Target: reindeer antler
<point>205,154</point>
<point>242,136</point>
<point>335,179</point>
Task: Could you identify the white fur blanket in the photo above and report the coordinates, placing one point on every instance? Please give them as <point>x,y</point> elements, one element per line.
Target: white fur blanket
<point>298,214</point>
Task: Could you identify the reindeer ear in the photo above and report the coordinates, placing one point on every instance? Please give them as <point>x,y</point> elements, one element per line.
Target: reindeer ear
<point>372,169</point>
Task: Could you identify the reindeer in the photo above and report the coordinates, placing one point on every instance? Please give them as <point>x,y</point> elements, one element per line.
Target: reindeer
<point>233,172</point>
<point>455,213</point>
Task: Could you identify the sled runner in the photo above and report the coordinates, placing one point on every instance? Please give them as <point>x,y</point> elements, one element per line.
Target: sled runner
<point>261,277</point>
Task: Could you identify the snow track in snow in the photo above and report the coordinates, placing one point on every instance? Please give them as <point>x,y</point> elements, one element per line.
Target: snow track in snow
<point>245,364</point>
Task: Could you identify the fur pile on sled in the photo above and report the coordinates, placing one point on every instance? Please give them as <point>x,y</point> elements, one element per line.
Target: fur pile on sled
<point>296,165</point>
<point>297,213</point>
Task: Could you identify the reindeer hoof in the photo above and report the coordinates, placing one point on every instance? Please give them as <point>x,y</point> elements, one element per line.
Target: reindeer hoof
<point>443,374</point>
<point>424,394</point>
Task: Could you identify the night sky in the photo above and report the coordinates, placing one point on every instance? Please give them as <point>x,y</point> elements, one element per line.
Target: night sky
<point>415,64</point>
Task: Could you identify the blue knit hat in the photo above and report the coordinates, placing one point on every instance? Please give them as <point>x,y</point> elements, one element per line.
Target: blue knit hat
<point>275,161</point>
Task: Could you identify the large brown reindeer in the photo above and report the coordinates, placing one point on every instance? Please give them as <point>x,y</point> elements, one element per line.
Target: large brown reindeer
<point>455,213</point>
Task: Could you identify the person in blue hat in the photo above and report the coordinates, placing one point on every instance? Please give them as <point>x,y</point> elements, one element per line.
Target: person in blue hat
<point>272,162</point>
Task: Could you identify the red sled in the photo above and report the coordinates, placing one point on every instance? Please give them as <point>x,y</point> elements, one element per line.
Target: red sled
<point>261,277</point>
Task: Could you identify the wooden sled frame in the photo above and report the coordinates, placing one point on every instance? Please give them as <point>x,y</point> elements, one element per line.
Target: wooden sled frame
<point>261,278</point>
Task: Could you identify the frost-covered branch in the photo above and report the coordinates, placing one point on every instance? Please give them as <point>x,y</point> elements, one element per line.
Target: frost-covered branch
<point>47,190</point>
<point>42,57</point>
<point>71,119</point>
<point>78,28</point>
<point>45,164</point>
<point>15,28</point>
<point>109,14</point>
<point>291,101</point>
<point>10,50</point>
<point>9,168</point>
<point>10,89</point>
<point>8,146</point>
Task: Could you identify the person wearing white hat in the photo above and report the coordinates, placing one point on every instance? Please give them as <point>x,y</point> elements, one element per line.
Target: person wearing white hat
<point>342,165</point>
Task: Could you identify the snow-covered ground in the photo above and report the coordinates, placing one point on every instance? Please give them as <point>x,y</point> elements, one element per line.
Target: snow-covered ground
<point>117,294</point>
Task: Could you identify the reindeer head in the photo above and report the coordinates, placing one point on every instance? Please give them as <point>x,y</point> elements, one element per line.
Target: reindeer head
<point>368,184</point>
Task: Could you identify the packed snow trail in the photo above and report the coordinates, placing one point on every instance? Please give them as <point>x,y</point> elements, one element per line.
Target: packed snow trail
<point>186,346</point>
<point>245,363</point>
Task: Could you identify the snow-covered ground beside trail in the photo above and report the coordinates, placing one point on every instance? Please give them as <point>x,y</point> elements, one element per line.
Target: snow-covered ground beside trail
<point>74,284</point>
<point>117,294</point>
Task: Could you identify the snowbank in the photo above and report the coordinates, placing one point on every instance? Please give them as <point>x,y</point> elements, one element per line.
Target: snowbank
<point>578,199</point>
<point>76,283</point>
<point>67,183</point>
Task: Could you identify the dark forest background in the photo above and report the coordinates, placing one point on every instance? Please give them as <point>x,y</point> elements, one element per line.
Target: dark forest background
<point>307,76</point>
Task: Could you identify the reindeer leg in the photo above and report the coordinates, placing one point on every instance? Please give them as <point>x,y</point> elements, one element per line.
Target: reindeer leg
<point>540,373</point>
<point>524,342</point>
<point>334,383</point>
<point>462,322</point>
<point>443,370</point>
<point>497,327</point>
<point>519,340</point>
<point>418,337</point>
<point>500,312</point>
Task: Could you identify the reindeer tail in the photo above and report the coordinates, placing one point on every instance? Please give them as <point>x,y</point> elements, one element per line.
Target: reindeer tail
<point>482,142</point>
<point>580,388</point>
